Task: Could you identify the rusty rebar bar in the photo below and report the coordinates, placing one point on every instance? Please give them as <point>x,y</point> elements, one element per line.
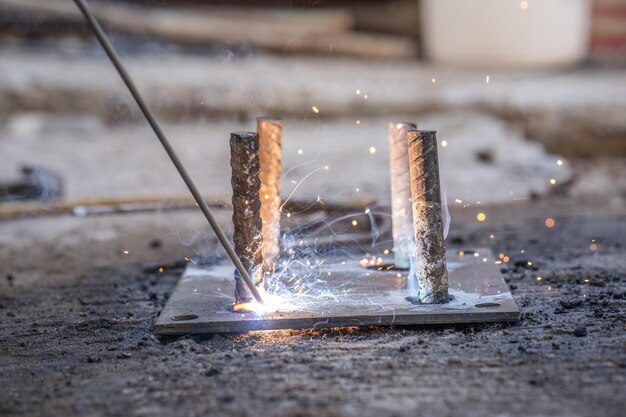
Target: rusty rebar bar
<point>430,254</point>
<point>128,81</point>
<point>270,131</point>
<point>248,238</point>
<point>401,214</point>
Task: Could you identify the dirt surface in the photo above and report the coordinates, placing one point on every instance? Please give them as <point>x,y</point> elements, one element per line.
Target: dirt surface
<point>76,315</point>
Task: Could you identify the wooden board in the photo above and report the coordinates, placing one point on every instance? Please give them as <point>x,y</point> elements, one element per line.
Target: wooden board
<point>339,293</point>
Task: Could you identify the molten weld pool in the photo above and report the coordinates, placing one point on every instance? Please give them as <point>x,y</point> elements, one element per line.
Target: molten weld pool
<point>337,293</point>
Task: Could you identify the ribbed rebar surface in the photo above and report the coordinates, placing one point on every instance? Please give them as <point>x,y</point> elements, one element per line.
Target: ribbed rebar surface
<point>244,161</point>
<point>430,255</point>
<point>401,216</point>
<point>270,158</point>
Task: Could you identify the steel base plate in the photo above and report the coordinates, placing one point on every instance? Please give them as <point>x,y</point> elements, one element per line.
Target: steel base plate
<point>341,294</point>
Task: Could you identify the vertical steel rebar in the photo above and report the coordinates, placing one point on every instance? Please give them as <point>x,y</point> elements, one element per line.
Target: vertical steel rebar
<point>248,238</point>
<point>401,210</point>
<point>270,131</point>
<point>430,255</point>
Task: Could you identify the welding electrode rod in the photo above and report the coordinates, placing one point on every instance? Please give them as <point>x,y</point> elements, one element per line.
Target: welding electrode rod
<point>430,253</point>
<point>244,161</point>
<point>270,158</point>
<point>108,48</point>
<point>401,210</point>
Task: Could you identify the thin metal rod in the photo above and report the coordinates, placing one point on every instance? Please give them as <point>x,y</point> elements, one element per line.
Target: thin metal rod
<point>108,48</point>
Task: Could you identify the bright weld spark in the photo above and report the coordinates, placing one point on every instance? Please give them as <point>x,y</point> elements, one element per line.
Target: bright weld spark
<point>271,303</point>
<point>444,143</point>
<point>372,149</point>
<point>315,109</point>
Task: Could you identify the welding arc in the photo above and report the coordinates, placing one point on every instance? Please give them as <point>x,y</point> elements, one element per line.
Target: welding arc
<point>108,48</point>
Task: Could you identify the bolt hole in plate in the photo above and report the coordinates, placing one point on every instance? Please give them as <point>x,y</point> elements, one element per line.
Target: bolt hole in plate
<point>488,305</point>
<point>185,317</point>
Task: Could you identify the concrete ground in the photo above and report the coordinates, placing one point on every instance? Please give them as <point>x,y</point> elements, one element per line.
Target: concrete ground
<point>77,315</point>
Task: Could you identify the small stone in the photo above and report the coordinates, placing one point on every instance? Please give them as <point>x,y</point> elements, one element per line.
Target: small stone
<point>212,372</point>
<point>93,359</point>
<point>571,303</point>
<point>485,156</point>
<point>596,282</point>
<point>124,355</point>
<point>580,331</point>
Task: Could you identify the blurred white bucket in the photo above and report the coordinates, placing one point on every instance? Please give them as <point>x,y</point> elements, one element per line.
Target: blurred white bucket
<point>506,33</point>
